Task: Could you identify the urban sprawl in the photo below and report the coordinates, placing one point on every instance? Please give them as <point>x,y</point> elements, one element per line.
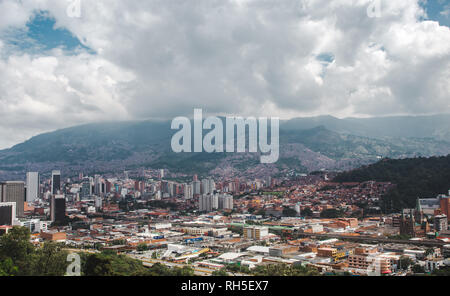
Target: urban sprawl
<point>207,224</point>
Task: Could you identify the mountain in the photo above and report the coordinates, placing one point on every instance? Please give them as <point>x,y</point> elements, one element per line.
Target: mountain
<point>417,177</point>
<point>433,126</point>
<point>306,144</point>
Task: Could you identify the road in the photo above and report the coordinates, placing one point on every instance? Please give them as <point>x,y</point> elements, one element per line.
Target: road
<point>367,239</point>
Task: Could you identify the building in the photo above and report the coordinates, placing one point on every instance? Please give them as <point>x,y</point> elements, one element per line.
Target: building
<point>225,202</point>
<point>326,252</point>
<point>98,202</point>
<point>56,182</point>
<point>409,226</point>
<point>369,264</point>
<point>208,202</point>
<point>54,236</point>
<point>12,191</point>
<point>86,188</point>
<point>7,213</point>
<point>32,186</point>
<point>188,191</point>
<point>58,208</point>
<point>255,232</point>
<point>34,225</point>
<point>444,203</point>
<point>440,223</point>
<point>279,251</point>
<point>208,186</point>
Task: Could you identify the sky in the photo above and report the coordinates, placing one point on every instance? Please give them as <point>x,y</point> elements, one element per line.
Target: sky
<point>64,63</point>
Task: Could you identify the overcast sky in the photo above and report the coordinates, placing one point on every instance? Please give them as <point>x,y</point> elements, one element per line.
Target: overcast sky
<point>135,59</point>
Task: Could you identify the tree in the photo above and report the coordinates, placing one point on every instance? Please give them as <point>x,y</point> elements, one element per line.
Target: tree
<point>307,212</point>
<point>418,269</point>
<point>284,270</point>
<point>16,245</point>
<point>142,247</point>
<point>288,212</point>
<point>444,271</point>
<point>111,264</point>
<point>429,251</point>
<point>50,260</point>
<point>405,262</point>
<point>331,213</point>
<point>97,265</point>
<point>18,256</point>
<point>7,268</point>
<point>221,272</point>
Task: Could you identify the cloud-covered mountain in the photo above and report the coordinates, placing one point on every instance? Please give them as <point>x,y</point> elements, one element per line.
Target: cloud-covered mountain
<point>306,144</point>
<point>136,59</point>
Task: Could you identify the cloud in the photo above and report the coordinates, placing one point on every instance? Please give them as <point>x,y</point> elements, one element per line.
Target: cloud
<point>285,58</point>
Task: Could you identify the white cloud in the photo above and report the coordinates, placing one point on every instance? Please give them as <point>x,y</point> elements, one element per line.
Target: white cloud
<point>162,58</point>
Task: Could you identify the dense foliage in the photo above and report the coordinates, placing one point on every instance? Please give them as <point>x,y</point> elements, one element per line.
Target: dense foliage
<point>284,270</point>
<point>415,177</point>
<point>19,257</point>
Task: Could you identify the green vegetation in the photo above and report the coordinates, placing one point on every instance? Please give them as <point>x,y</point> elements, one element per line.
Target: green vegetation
<point>288,212</point>
<point>332,213</point>
<point>307,212</point>
<point>18,256</point>
<point>284,270</point>
<point>401,237</point>
<point>405,262</point>
<point>415,177</point>
<point>445,271</point>
<point>221,272</point>
<point>110,264</point>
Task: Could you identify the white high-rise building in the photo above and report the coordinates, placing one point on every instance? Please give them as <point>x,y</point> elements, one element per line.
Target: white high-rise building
<point>32,186</point>
<point>208,202</point>
<point>225,202</point>
<point>208,186</point>
<point>298,209</point>
<point>98,202</point>
<point>197,187</point>
<point>188,191</point>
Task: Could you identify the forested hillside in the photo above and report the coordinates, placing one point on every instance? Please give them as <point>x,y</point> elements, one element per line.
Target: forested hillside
<point>414,177</point>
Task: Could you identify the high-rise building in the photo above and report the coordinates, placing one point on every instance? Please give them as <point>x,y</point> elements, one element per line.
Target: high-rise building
<point>86,188</point>
<point>58,208</point>
<point>225,202</point>
<point>98,184</point>
<point>444,204</point>
<point>12,191</point>
<point>32,186</point>
<point>56,182</point>
<point>98,202</point>
<point>208,202</point>
<point>7,213</point>
<point>188,191</point>
<point>208,186</point>
<point>440,223</point>
<point>197,187</point>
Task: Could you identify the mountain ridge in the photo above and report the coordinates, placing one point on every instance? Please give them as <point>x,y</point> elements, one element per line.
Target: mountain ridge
<point>305,145</point>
